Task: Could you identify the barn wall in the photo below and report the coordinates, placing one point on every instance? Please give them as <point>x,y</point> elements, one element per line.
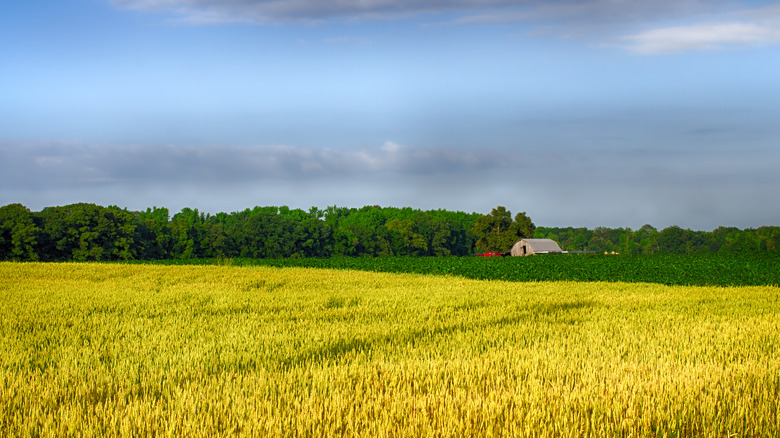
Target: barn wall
<point>517,249</point>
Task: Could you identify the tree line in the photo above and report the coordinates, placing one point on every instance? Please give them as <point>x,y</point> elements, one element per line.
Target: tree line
<point>85,231</point>
<point>671,240</point>
<point>92,232</point>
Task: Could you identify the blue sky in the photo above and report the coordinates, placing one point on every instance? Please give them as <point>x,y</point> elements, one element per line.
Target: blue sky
<point>581,113</point>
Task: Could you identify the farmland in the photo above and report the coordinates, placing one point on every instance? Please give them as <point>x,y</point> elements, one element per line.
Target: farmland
<point>713,269</point>
<point>133,350</point>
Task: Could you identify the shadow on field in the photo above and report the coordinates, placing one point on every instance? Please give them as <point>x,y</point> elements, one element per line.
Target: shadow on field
<point>560,312</point>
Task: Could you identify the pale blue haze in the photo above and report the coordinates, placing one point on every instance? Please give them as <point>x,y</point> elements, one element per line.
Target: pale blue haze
<point>581,113</point>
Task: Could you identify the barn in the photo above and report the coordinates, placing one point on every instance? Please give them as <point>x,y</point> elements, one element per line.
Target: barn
<point>526,247</point>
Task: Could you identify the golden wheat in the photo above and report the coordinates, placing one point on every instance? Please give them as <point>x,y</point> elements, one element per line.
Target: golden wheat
<point>130,350</point>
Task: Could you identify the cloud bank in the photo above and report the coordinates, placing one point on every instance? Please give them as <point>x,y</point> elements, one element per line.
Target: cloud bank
<point>556,187</point>
<point>76,164</point>
<point>637,26</point>
<point>470,11</point>
<point>312,11</point>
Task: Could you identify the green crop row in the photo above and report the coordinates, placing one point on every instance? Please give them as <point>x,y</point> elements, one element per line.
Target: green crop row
<point>716,269</point>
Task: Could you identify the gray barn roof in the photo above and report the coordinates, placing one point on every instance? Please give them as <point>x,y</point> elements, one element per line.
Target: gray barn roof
<point>537,246</point>
<point>541,245</point>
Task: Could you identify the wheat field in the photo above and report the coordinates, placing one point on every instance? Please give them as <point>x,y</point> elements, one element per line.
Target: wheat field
<point>138,350</point>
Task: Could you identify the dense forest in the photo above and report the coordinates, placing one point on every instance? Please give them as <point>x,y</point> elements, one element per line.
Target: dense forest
<point>92,232</point>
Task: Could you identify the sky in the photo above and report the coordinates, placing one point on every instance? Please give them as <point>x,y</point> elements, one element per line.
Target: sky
<point>612,113</point>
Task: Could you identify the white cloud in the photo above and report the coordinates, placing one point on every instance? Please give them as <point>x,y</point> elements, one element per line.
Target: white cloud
<point>719,29</point>
<point>390,146</point>
<point>703,25</point>
<point>700,37</point>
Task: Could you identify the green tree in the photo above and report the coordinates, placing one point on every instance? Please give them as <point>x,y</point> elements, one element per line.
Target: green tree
<point>525,228</point>
<point>153,236</point>
<point>625,244</point>
<point>497,232</point>
<point>599,244</point>
<point>436,231</point>
<point>87,232</point>
<point>768,238</point>
<point>646,238</point>
<point>316,237</point>
<point>672,240</point>
<point>406,240</point>
<point>268,234</point>
<point>186,229</point>
<point>18,233</point>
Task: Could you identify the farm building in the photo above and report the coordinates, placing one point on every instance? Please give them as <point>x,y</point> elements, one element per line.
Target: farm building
<point>526,247</point>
